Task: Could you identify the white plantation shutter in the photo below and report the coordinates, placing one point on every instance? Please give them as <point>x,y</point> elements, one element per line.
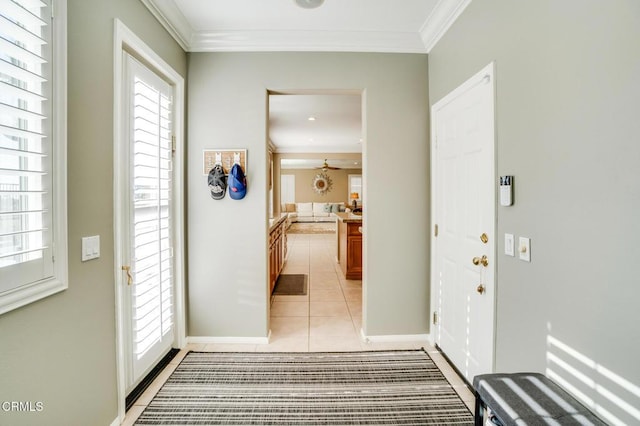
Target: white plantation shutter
<point>26,235</point>
<point>287,189</point>
<point>152,310</point>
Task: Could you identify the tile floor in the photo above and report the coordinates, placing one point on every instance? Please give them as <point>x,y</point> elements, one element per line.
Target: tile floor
<point>328,318</point>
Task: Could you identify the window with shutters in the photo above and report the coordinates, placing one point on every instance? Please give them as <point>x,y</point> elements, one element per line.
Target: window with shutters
<point>287,189</point>
<point>32,151</point>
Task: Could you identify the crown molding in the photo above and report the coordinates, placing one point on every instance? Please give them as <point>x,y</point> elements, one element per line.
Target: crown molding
<point>440,20</point>
<point>172,19</point>
<point>436,25</point>
<point>308,41</point>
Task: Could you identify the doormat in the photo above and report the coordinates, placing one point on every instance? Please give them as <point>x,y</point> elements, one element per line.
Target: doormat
<point>321,388</point>
<point>291,285</point>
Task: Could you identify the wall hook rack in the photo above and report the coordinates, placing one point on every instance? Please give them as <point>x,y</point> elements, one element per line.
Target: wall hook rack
<point>225,157</point>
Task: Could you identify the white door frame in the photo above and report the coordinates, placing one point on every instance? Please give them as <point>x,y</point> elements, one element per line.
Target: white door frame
<point>126,41</point>
<point>478,78</point>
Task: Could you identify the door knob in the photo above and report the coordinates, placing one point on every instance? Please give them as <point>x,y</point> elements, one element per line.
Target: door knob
<point>481,289</point>
<point>484,261</point>
<point>127,269</point>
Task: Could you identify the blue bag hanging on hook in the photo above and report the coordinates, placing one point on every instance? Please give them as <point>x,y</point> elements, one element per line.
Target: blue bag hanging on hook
<point>237,182</point>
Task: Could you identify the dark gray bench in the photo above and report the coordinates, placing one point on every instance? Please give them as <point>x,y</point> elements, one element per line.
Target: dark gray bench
<point>528,399</point>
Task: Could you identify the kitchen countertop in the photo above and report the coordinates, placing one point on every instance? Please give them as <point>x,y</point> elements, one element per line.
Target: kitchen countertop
<point>276,221</point>
<point>348,217</point>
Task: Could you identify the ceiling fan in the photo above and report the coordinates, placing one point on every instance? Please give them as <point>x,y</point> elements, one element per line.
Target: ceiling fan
<point>326,166</point>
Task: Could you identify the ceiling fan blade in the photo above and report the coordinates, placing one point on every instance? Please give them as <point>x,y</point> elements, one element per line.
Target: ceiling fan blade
<point>326,166</point>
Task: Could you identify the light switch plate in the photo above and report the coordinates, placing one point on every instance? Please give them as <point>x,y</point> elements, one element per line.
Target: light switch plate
<point>524,249</point>
<point>509,245</point>
<point>90,248</point>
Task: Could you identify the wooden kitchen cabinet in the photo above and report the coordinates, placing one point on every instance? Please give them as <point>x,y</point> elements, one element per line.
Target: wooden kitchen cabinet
<point>277,250</point>
<point>350,246</point>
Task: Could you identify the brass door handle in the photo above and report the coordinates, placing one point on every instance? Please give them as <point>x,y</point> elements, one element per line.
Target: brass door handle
<point>481,289</point>
<point>481,260</point>
<point>127,269</point>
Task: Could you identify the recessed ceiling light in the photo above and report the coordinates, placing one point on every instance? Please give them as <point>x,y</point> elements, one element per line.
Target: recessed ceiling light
<point>312,118</point>
<point>309,4</point>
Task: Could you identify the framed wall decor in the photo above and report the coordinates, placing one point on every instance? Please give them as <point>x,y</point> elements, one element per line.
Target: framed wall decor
<point>321,183</point>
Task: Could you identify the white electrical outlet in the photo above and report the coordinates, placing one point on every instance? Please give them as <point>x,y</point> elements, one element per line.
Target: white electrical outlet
<point>524,249</point>
<point>509,249</point>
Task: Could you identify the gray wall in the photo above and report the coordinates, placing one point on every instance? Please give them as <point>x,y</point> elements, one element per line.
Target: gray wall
<point>61,350</point>
<point>567,127</point>
<point>228,238</point>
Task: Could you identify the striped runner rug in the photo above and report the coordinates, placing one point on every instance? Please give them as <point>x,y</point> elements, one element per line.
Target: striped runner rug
<point>317,388</point>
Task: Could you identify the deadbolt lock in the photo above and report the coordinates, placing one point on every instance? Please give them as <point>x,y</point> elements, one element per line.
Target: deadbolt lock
<point>484,261</point>
<point>484,238</point>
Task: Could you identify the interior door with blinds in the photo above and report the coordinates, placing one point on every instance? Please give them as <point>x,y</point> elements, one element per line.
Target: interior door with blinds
<point>150,270</point>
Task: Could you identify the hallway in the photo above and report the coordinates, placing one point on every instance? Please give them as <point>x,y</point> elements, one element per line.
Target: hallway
<point>328,318</point>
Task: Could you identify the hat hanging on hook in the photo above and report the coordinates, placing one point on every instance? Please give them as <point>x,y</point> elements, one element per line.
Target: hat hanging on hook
<point>237,180</point>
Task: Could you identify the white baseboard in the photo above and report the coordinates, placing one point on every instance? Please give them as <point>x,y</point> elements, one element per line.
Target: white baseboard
<point>395,338</point>
<point>431,339</point>
<point>116,422</point>
<point>229,340</point>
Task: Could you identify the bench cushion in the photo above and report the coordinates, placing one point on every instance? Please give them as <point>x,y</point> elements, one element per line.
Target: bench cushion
<point>531,399</point>
<point>304,208</point>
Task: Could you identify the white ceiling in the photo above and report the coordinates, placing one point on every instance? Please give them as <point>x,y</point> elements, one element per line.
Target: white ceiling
<point>337,126</point>
<point>406,26</point>
<point>402,26</point>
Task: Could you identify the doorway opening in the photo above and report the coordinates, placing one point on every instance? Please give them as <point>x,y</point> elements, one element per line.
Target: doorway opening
<point>316,169</point>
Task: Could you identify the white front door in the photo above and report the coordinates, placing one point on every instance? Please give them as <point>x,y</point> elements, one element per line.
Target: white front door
<point>463,200</point>
<point>150,311</point>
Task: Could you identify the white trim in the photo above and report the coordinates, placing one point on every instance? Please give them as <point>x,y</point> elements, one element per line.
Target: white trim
<point>433,327</point>
<point>436,25</point>
<point>60,113</point>
<point>478,78</point>
<point>170,17</point>
<point>395,338</point>
<point>116,422</point>
<point>431,339</point>
<point>59,281</point>
<point>440,20</point>
<point>126,39</point>
<point>228,340</point>
<point>30,293</point>
<point>307,41</point>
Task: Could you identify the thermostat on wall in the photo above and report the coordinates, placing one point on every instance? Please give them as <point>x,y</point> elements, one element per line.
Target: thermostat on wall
<point>506,190</point>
